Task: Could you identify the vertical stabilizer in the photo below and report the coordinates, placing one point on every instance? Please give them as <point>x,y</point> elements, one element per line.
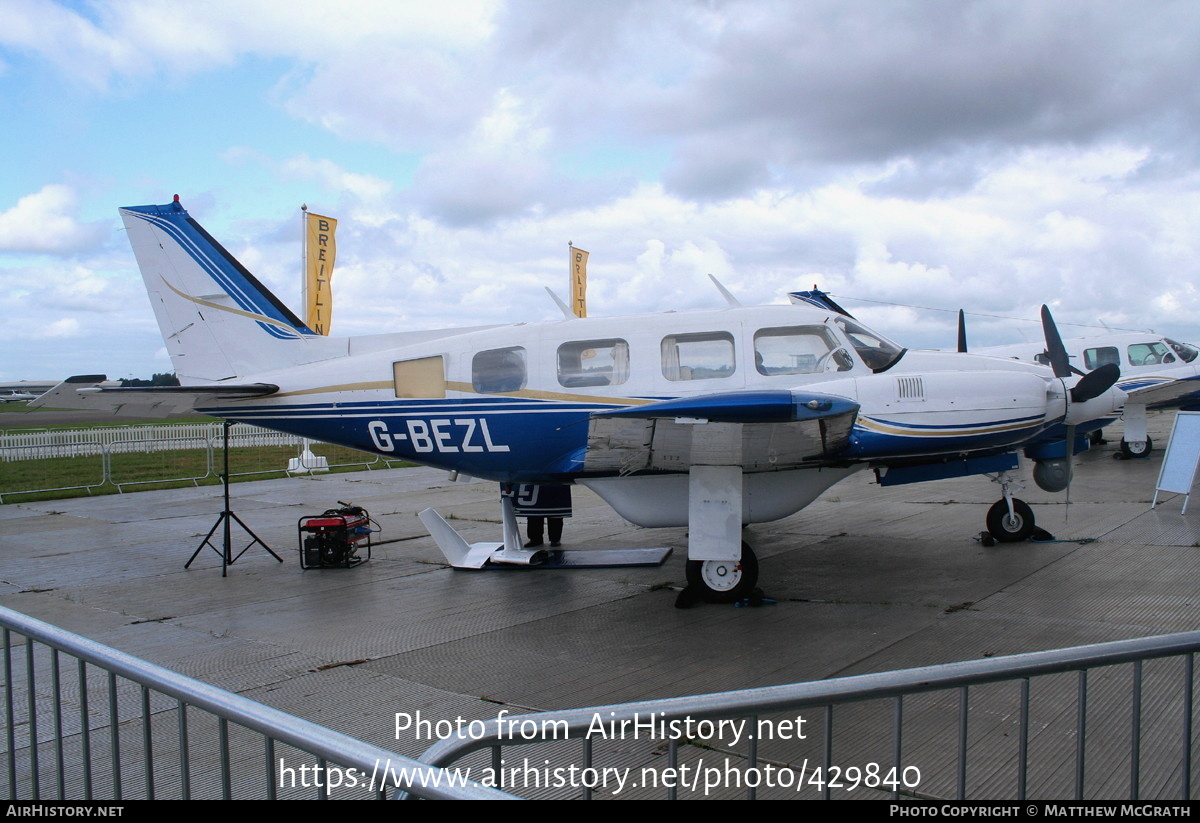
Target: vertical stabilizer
<point>217,320</point>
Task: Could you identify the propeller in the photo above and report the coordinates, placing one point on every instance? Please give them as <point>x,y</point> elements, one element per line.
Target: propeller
<point>1090,385</point>
<point>1055,349</point>
<point>962,331</point>
<point>1096,382</point>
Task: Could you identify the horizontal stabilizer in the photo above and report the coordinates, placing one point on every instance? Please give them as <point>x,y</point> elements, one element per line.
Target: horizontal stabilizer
<point>93,392</point>
<point>743,407</point>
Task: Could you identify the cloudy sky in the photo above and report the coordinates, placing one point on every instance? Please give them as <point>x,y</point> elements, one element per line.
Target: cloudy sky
<point>993,155</point>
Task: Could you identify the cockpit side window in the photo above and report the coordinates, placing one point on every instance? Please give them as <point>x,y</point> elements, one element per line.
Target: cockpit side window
<point>1148,354</point>
<point>1186,353</point>
<point>798,350</point>
<point>876,351</point>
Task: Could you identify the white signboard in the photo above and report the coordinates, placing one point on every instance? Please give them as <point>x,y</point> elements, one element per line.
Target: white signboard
<point>1178,473</point>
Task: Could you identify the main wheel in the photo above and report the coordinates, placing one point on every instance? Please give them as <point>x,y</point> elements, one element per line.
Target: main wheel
<point>1134,450</point>
<point>1010,528</point>
<point>725,581</point>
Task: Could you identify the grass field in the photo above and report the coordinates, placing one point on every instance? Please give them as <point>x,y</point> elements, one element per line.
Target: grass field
<point>79,476</point>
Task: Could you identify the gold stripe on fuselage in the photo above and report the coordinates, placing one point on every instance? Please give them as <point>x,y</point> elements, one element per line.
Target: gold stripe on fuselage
<point>526,394</point>
<point>886,428</point>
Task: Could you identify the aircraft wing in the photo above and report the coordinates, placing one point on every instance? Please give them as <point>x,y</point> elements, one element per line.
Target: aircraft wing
<point>757,430</point>
<point>89,392</point>
<point>1164,393</point>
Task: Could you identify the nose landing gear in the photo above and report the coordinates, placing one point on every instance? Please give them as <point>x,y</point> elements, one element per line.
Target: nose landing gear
<point>1009,520</point>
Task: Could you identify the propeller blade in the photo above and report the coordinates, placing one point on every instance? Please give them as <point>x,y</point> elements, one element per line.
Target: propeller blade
<point>1096,383</point>
<point>962,331</point>
<point>1055,349</point>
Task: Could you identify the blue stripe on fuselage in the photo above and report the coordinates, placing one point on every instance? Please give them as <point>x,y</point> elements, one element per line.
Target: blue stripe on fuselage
<point>485,437</point>
<point>869,445</point>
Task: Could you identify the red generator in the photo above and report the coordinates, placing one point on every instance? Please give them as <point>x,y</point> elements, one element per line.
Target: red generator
<point>335,538</point>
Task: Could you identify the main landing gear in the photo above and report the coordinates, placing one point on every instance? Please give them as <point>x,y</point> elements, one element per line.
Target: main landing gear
<point>724,581</point>
<point>1136,449</point>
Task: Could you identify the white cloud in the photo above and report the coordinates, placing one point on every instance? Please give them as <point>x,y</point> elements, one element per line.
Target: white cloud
<point>45,222</point>
<point>64,327</point>
<point>988,154</point>
<point>133,39</point>
<point>366,188</point>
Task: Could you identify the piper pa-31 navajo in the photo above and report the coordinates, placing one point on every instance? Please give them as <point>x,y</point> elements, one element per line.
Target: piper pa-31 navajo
<point>708,419</point>
<point>1156,372</point>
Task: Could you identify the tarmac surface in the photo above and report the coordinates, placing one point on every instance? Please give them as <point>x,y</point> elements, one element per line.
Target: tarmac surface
<point>866,579</point>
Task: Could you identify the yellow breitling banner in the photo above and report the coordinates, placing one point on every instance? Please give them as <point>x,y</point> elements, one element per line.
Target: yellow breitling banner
<point>320,251</point>
<point>579,260</point>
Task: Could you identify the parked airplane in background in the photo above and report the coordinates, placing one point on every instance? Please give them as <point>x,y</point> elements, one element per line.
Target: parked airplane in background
<point>21,390</point>
<point>1156,371</point>
<point>711,419</point>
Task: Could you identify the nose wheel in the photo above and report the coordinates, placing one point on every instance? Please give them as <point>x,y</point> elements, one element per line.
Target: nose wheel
<point>1010,527</point>
<point>724,581</point>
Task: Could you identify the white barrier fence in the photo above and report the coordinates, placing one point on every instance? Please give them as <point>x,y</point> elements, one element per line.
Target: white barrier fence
<point>36,445</point>
<point>191,453</point>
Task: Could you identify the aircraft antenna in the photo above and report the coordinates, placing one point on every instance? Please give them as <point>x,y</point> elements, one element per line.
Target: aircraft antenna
<point>729,298</point>
<point>563,307</point>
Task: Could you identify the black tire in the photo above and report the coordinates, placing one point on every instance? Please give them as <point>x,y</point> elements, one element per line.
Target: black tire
<point>1133,451</point>
<point>1008,529</point>
<point>724,581</point>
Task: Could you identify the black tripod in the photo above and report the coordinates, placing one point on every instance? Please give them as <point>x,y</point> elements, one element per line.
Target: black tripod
<point>227,555</point>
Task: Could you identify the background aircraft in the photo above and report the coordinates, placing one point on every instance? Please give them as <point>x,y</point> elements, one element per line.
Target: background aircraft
<point>711,420</point>
<point>1157,373</point>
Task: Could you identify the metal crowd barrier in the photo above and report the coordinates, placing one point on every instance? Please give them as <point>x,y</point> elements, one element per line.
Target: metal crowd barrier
<point>140,731</point>
<point>944,728</point>
<point>101,452</point>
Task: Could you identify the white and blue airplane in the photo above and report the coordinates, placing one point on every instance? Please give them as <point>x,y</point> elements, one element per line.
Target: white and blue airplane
<point>708,419</point>
<point>1156,372</point>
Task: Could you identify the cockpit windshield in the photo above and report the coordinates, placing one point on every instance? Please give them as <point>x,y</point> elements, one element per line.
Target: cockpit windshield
<point>876,351</point>
<point>1186,352</point>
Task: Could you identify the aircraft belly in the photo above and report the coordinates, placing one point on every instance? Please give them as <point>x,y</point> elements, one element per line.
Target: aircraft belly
<point>657,501</point>
<point>628,445</point>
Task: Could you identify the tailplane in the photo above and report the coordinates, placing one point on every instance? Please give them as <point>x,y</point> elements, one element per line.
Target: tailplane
<point>218,321</point>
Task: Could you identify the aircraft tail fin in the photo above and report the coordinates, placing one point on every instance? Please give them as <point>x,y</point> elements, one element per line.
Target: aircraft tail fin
<point>818,298</point>
<point>217,319</point>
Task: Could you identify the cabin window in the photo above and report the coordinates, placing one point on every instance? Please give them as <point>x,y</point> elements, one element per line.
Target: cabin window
<point>1149,354</point>
<point>1095,358</point>
<point>798,350</point>
<point>424,377</point>
<point>593,363</point>
<point>698,356</point>
<point>498,370</point>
